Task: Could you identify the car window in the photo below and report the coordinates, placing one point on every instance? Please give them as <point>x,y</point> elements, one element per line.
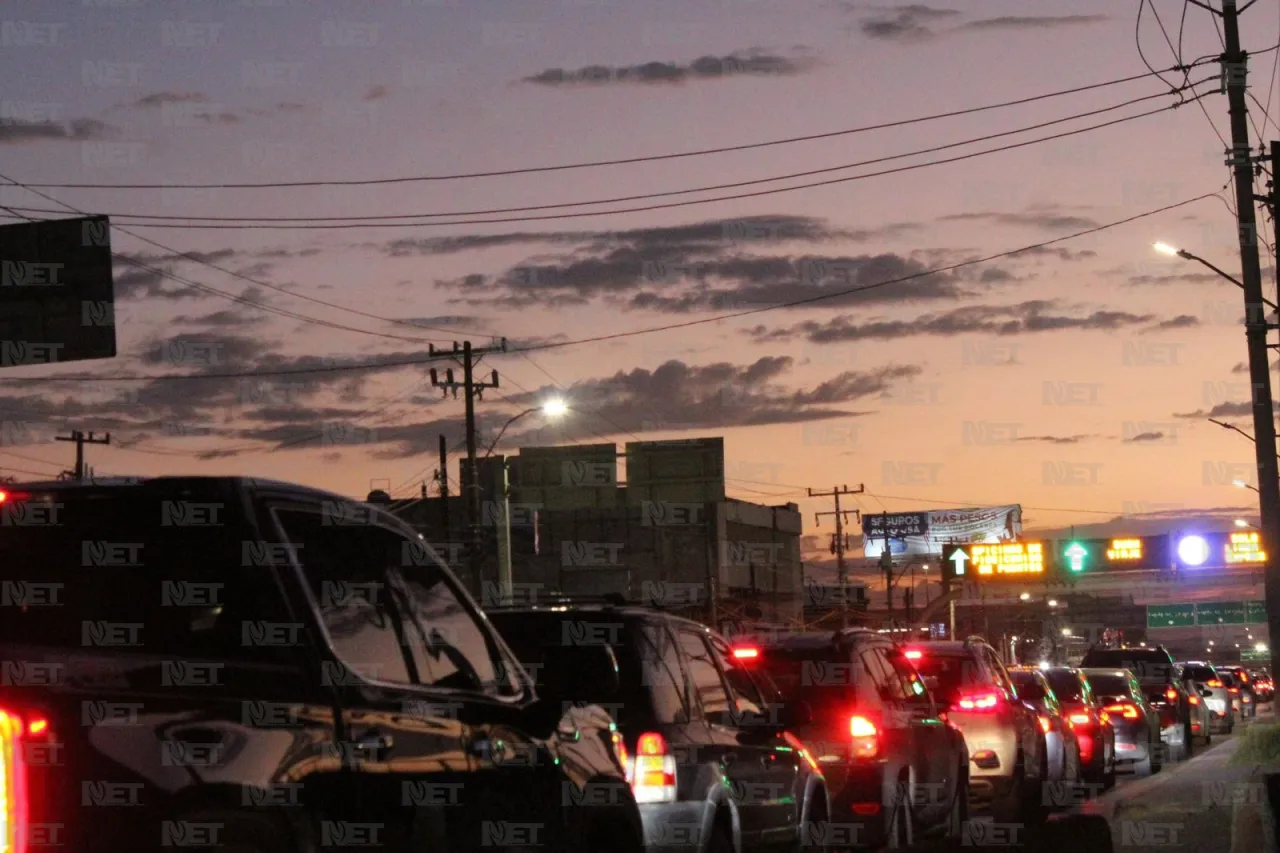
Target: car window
<point>822,676</point>
<point>707,684</point>
<point>746,694</point>
<point>997,670</point>
<point>352,594</point>
<point>1110,685</point>
<point>949,674</point>
<point>881,674</point>
<point>141,570</point>
<point>1067,686</point>
<point>663,674</point>
<point>912,687</point>
<point>450,645</point>
<point>896,689</point>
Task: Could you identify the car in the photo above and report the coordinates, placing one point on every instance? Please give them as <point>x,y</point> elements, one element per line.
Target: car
<point>209,650</point>
<point>1095,736</point>
<point>1201,715</point>
<point>1246,691</point>
<point>714,763</point>
<point>1164,690</point>
<point>1263,684</point>
<point>1007,755</point>
<point>1135,722</point>
<point>907,774</point>
<point>1059,734</point>
<point>1207,683</point>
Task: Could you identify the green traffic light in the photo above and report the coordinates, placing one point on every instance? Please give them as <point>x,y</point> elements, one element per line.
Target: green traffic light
<point>1075,554</point>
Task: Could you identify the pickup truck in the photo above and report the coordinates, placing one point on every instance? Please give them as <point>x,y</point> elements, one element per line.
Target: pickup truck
<point>259,667</point>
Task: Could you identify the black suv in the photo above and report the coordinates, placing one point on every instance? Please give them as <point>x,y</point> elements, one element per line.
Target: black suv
<point>893,764</point>
<point>252,665</point>
<point>1161,684</point>
<point>714,764</point>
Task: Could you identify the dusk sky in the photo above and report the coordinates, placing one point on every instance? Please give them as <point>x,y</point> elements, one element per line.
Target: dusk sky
<point>1075,379</point>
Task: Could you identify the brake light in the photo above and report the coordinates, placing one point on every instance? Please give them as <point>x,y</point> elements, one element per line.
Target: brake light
<point>1080,719</point>
<point>1244,677</point>
<point>14,820</point>
<point>980,702</point>
<point>1045,725</point>
<point>913,654</point>
<point>1194,700</point>
<point>1213,682</point>
<point>1233,689</point>
<point>653,770</point>
<point>1124,709</point>
<point>866,737</point>
<point>746,653</point>
<point>1171,694</point>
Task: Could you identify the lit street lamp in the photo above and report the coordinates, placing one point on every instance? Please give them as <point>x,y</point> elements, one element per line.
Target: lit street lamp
<point>1241,484</point>
<point>1240,522</point>
<point>1166,249</point>
<point>553,408</point>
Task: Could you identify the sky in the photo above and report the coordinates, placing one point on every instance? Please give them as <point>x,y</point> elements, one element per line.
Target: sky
<point>1075,379</point>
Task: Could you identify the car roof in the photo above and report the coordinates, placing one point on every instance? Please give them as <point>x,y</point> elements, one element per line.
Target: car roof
<point>569,606</point>
<point>948,647</point>
<point>812,640</point>
<point>1122,673</point>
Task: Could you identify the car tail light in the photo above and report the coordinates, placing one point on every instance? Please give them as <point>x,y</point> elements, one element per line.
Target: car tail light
<point>1233,689</point>
<point>1194,700</point>
<point>14,817</point>
<point>1213,682</point>
<point>746,653</point>
<point>1080,719</point>
<point>1244,677</point>
<point>866,737</point>
<point>1171,694</point>
<point>979,702</point>
<point>1045,724</point>
<point>913,654</point>
<point>1125,709</point>
<point>653,770</point>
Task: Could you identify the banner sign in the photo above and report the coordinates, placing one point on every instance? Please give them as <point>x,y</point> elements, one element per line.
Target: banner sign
<point>1206,613</point>
<point>925,533</point>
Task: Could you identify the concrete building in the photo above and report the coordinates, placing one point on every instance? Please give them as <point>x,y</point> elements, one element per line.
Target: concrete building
<point>668,536</point>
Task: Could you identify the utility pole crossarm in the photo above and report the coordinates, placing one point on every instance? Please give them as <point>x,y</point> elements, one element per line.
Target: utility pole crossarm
<point>838,542</point>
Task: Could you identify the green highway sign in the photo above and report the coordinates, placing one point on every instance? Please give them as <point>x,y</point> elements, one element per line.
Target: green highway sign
<point>1254,654</point>
<point>1220,613</point>
<point>1171,615</point>
<point>1255,612</point>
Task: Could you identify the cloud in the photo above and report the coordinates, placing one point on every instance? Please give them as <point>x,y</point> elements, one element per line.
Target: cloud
<point>220,319</point>
<point>159,99</point>
<point>376,93</point>
<point>1055,439</point>
<point>1182,321</point>
<point>1003,320</point>
<point>907,23</point>
<point>1144,437</point>
<point>1032,22</point>
<point>18,132</point>
<point>1224,410</point>
<point>751,63</point>
<point>1048,220</point>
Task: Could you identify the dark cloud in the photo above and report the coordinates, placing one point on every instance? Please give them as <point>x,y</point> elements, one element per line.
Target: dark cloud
<point>17,132</point>
<point>750,63</point>
<point>1048,220</point>
<point>1032,22</point>
<point>1144,437</point>
<point>1182,321</point>
<point>376,93</point>
<point>444,320</point>
<point>159,99</point>
<point>220,319</point>
<point>1055,439</point>
<point>1057,253</point>
<point>1023,318</point>
<point>1224,410</point>
<point>906,23</point>
<point>1160,280</point>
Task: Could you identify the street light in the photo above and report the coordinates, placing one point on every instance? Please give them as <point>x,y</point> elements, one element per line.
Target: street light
<point>1261,647</point>
<point>553,408</point>
<point>1026,596</point>
<point>1241,484</point>
<point>1240,522</point>
<point>1166,249</point>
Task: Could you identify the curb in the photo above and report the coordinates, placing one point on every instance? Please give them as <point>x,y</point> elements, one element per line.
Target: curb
<point>1253,825</point>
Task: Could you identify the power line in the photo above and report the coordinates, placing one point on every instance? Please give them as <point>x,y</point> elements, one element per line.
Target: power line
<point>416,360</point>
<point>31,459</point>
<point>668,205</point>
<point>40,474</point>
<point>196,259</point>
<point>617,162</point>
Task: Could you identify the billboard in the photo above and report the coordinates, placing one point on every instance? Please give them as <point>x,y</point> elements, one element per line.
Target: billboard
<point>681,471</point>
<point>925,533</point>
<point>57,295</point>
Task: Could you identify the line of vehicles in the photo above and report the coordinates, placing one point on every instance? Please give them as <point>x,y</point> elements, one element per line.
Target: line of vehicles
<point>249,665</point>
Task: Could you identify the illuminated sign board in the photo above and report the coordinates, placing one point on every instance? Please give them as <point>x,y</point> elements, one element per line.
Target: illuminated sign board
<point>1244,548</point>
<point>1005,559</point>
<point>1125,551</point>
<point>1129,553</point>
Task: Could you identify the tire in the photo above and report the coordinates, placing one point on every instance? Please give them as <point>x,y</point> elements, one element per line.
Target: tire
<point>959,814</point>
<point>720,842</point>
<point>818,818</point>
<point>900,833</point>
<point>1148,766</point>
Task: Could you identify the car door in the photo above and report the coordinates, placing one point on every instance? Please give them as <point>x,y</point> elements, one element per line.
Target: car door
<point>1024,718</point>
<point>756,718</point>
<point>935,758</point>
<point>403,739</point>
<point>741,764</point>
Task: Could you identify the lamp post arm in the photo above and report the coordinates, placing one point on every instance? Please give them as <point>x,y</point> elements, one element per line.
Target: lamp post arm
<point>1237,282</point>
<point>502,431</point>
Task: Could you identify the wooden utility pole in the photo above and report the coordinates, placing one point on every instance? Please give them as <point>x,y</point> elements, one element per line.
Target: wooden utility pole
<point>442,476</point>
<point>472,390</point>
<point>81,439</point>
<point>839,542</point>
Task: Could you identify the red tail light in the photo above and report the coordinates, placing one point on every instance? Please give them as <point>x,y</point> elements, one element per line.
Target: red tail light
<point>1125,709</point>
<point>746,653</point>
<point>653,770</point>
<point>1080,719</point>
<point>1233,689</point>
<point>913,654</point>
<point>1171,694</point>
<point>866,737</point>
<point>14,818</point>
<point>1213,682</point>
<point>979,702</point>
<point>1045,724</point>
<point>1244,678</point>
<point>1194,700</point>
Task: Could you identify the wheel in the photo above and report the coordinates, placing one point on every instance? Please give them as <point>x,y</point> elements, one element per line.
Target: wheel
<point>814,834</point>
<point>959,814</point>
<point>900,833</point>
<point>1188,742</point>
<point>720,842</point>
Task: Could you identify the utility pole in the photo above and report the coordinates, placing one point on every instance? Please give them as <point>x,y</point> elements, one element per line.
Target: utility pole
<point>886,565</point>
<point>81,439</point>
<point>443,477</point>
<point>1235,72</point>
<point>839,540</point>
<point>472,391</point>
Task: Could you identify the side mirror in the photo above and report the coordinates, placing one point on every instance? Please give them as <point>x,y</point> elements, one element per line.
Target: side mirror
<point>579,673</point>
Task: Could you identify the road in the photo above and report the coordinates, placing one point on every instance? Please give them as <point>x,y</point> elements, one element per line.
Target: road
<point>1186,806</point>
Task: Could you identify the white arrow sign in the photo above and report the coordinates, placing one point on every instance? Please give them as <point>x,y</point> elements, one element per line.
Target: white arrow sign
<point>958,558</point>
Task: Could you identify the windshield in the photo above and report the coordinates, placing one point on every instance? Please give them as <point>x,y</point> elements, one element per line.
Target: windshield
<point>1109,685</point>
<point>1066,685</point>
<point>1146,664</point>
<point>948,674</point>
<point>819,676</point>
<point>1199,673</point>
